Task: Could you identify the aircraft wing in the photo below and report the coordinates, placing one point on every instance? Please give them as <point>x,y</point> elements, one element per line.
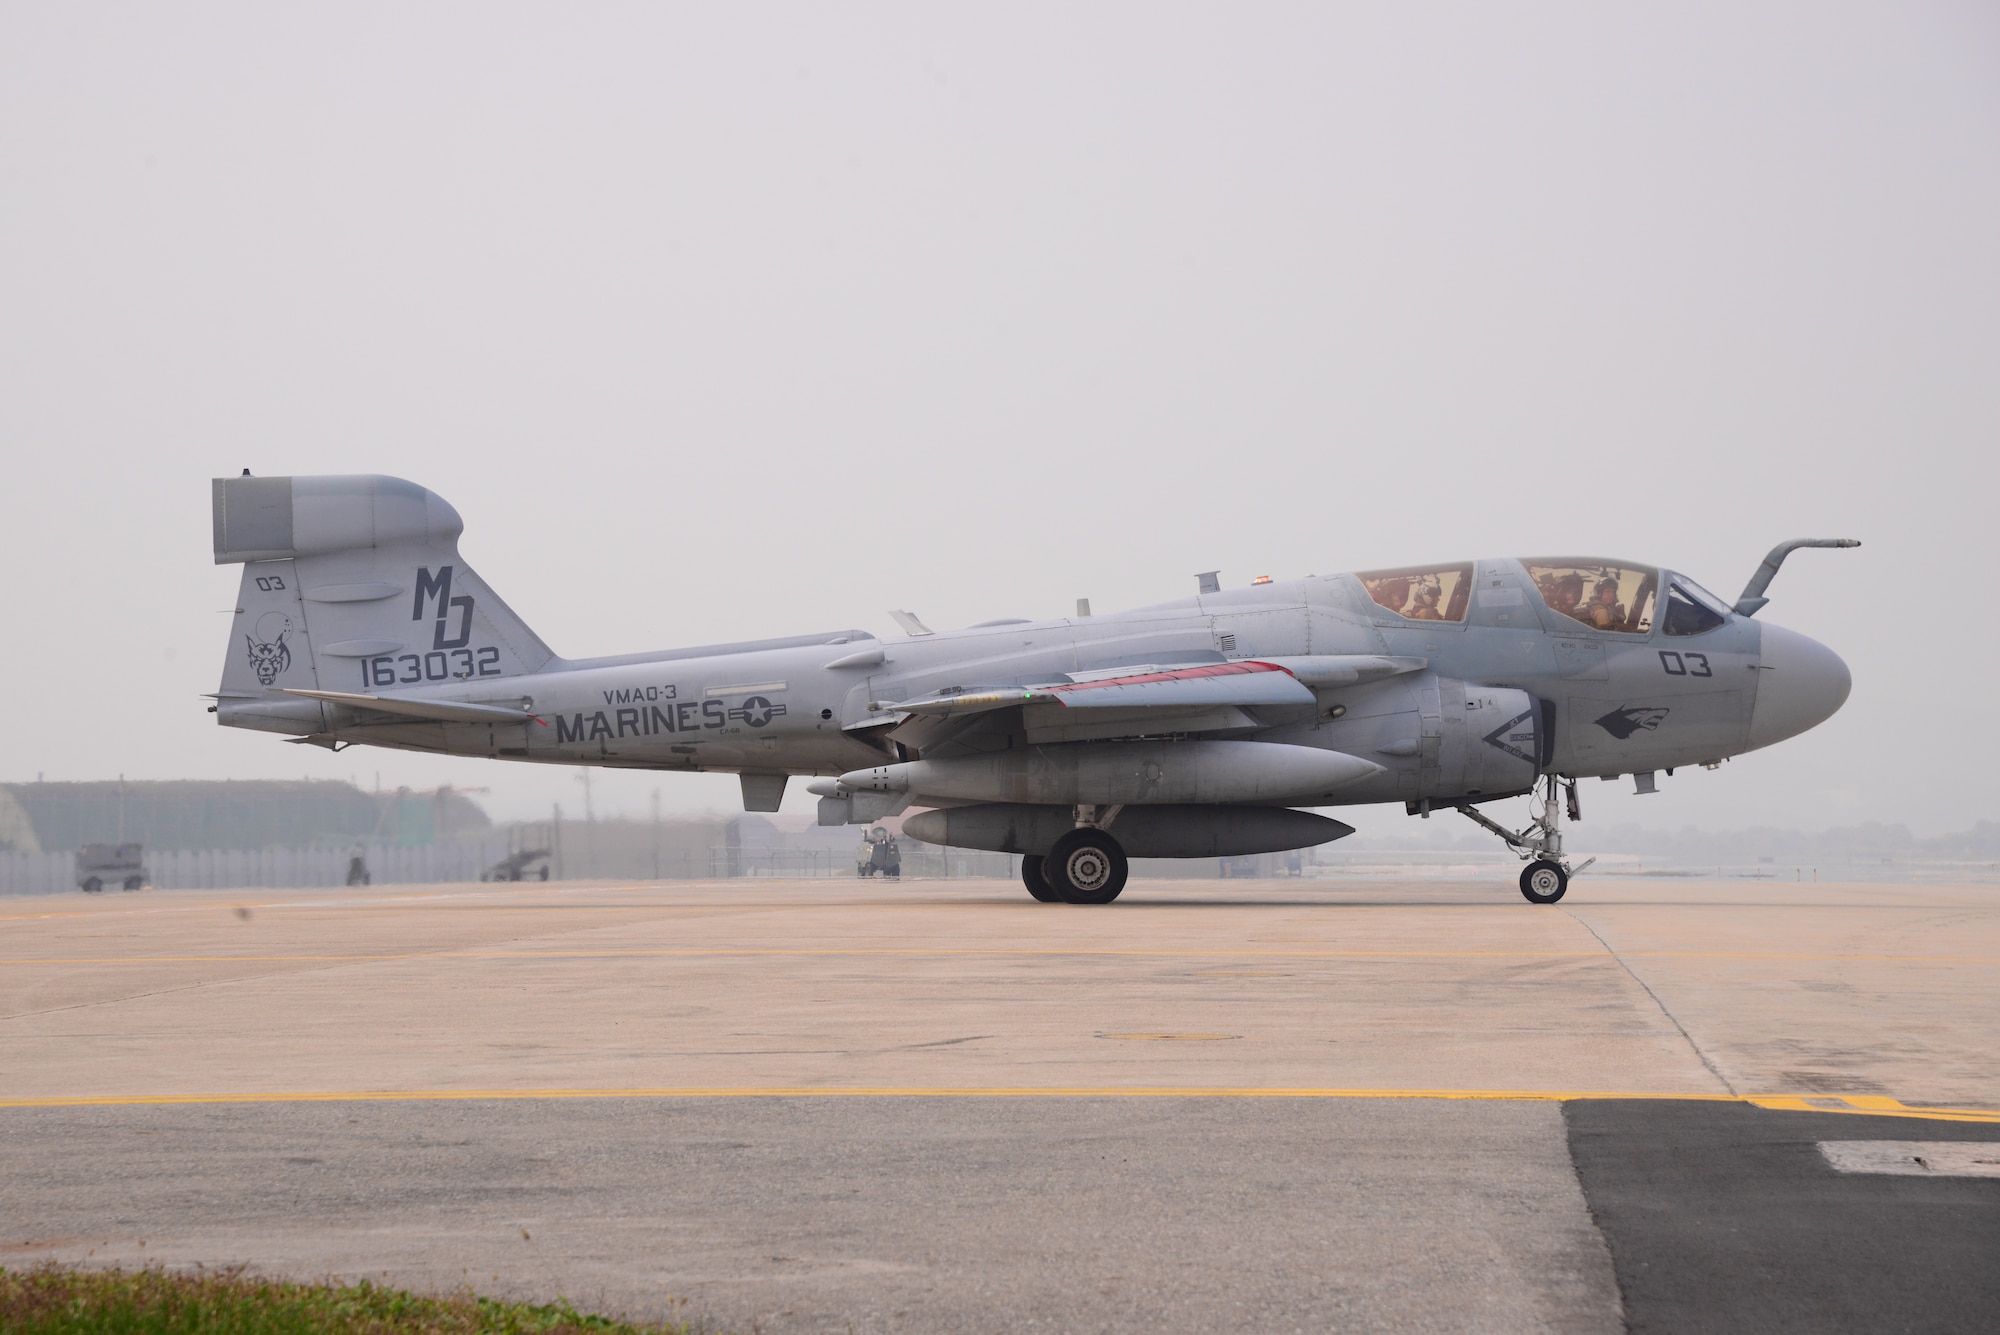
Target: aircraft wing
<point>1203,684</point>
<point>1248,682</point>
<point>441,711</point>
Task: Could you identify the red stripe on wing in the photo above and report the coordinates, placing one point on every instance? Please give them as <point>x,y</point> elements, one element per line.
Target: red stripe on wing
<point>1176,674</point>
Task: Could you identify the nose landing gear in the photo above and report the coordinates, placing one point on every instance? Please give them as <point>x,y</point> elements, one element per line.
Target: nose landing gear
<point>1543,882</point>
<point>1547,874</point>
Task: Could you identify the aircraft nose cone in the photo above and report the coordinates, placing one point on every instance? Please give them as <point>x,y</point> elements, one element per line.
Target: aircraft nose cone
<point>1800,685</point>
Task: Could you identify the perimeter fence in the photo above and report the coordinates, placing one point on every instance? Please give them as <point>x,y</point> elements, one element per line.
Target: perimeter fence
<point>928,863</point>
<point>305,868</point>
<point>265,868</point>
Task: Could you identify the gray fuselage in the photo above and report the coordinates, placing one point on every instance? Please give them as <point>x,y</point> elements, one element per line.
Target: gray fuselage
<point>1612,702</point>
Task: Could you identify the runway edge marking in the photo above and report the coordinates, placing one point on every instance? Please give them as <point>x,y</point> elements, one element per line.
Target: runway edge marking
<point>1868,1104</point>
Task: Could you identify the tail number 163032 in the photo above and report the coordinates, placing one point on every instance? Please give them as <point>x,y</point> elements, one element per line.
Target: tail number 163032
<point>437,665</point>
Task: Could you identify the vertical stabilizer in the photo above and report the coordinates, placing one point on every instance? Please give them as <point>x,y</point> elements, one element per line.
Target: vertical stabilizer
<point>353,584</point>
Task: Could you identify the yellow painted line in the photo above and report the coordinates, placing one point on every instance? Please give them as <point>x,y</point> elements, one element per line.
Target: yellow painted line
<point>700,952</point>
<point>1879,1104</point>
<point>1779,955</point>
<point>1873,1104</point>
<point>232,959</point>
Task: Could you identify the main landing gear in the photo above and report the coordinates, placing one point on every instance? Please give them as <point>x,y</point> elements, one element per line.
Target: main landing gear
<point>1547,874</point>
<point>1037,883</point>
<point>1086,866</point>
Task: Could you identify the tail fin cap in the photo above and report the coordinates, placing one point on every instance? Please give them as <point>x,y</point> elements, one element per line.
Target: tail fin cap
<point>277,518</point>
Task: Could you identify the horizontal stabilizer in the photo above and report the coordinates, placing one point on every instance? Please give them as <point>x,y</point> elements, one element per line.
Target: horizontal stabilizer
<point>441,711</point>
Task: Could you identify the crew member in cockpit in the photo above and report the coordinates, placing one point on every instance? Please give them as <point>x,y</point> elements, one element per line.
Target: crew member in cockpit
<point>1426,608</point>
<point>1604,610</point>
<point>1564,594</point>
<point>1391,593</point>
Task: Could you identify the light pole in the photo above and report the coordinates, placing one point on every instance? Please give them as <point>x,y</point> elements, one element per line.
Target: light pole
<point>589,828</point>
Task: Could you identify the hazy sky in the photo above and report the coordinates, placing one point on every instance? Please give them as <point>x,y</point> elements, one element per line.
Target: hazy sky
<point>719,321</point>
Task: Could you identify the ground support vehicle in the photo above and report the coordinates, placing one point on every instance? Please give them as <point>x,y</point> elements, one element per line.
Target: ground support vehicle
<point>520,867</point>
<point>99,865</point>
<point>878,855</point>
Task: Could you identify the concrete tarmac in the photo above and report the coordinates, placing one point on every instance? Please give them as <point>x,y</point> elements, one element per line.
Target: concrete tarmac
<point>829,1214</point>
<point>941,1106</point>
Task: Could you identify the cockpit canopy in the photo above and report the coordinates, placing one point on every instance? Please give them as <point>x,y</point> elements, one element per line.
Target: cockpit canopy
<point>1604,595</point>
<point>1692,609</point>
<point>1623,598</point>
<point>1617,597</point>
<point>1422,593</point>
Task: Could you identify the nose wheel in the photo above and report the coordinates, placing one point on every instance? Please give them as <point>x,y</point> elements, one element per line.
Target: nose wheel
<point>1543,882</point>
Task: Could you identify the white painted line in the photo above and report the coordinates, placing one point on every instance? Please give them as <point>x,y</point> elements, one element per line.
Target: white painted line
<point>1915,1158</point>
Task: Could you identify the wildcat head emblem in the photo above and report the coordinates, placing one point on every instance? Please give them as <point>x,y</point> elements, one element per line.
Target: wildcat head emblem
<point>269,654</point>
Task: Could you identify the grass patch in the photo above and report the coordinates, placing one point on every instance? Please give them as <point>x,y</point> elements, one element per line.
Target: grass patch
<point>60,1300</point>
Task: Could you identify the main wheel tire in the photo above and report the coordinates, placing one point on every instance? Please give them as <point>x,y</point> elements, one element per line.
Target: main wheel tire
<point>1543,882</point>
<point>1037,881</point>
<point>92,885</point>
<point>1086,867</point>
<point>133,883</point>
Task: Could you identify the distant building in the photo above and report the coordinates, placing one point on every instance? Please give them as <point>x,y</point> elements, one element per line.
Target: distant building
<point>231,814</point>
<point>17,832</point>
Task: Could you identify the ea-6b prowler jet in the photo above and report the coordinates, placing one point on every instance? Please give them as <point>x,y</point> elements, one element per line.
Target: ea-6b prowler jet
<point>1194,728</point>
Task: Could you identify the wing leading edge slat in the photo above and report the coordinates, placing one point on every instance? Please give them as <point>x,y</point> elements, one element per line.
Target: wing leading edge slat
<point>1245,683</point>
